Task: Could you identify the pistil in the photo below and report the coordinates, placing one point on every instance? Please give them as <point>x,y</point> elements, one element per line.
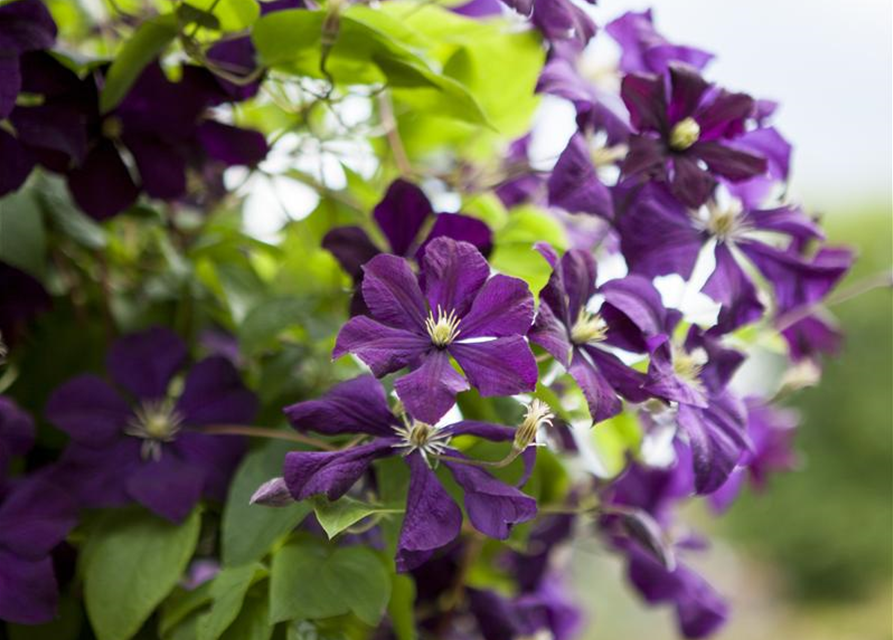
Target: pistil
<point>684,134</point>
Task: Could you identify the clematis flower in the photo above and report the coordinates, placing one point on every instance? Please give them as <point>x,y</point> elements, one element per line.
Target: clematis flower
<point>644,50</point>
<point>579,338</point>
<point>402,216</point>
<point>464,313</point>
<point>521,184</point>
<point>680,129</point>
<point>695,376</point>
<point>560,21</point>
<point>659,236</point>
<point>145,444</point>
<point>661,577</point>
<point>432,519</point>
<point>771,431</point>
<point>25,25</point>
<point>35,516</point>
<point>16,434</point>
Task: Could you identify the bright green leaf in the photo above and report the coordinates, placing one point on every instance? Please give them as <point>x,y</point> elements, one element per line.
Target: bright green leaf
<point>401,608</point>
<point>233,15</point>
<point>250,530</point>
<point>131,561</point>
<point>335,517</point>
<point>344,579</point>
<point>147,43</point>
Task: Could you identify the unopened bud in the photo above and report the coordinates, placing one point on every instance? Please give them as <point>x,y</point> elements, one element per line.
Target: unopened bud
<point>538,415</point>
<point>273,493</point>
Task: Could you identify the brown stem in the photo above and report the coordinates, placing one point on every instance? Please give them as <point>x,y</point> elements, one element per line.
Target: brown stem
<point>264,432</point>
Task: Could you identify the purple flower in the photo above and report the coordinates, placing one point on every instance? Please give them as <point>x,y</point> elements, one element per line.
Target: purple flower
<point>432,519</point>
<point>659,236</point>
<point>25,25</point>
<point>464,313</point>
<point>16,433</point>
<point>402,216</point>
<point>684,127</point>
<point>22,298</point>
<point>560,21</point>
<point>771,431</point>
<point>712,420</point>
<point>521,184</point>
<point>580,339</point>
<point>151,449</point>
<point>644,50</point>
<point>35,516</point>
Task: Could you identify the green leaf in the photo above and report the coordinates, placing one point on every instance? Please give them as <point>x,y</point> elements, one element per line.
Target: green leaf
<point>131,561</point>
<point>264,322</point>
<point>335,517</point>
<point>248,531</point>
<point>228,591</point>
<point>344,579</point>
<point>401,608</point>
<point>147,43</point>
<point>232,15</point>
<point>22,235</point>
<point>189,14</point>
<point>61,211</point>
<point>514,254</point>
<point>253,621</point>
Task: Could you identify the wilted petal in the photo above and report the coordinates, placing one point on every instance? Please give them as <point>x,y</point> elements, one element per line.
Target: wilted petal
<point>355,406</point>
<point>453,272</point>
<point>89,410</point>
<point>432,519</point>
<point>574,184</point>
<point>215,394</point>
<point>385,349</point>
<point>145,362</point>
<point>503,307</point>
<point>493,507</point>
<point>391,291</point>
<point>401,214</point>
<point>430,391</point>
<point>168,487</point>
<point>332,473</point>
<point>500,367</point>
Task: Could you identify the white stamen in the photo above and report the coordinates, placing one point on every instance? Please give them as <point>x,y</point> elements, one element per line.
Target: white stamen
<point>444,329</point>
<point>156,422</point>
<point>589,327</point>
<point>424,438</point>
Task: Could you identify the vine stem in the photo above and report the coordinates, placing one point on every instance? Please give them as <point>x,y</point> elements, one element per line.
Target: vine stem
<point>264,432</point>
<point>393,134</point>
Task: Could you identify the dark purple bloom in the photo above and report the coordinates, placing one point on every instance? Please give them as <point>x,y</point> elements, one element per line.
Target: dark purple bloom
<point>16,433</point>
<point>432,519</point>
<point>25,25</point>
<point>644,50</point>
<point>35,516</point>
<point>577,338</point>
<point>461,305</point>
<point>771,431</point>
<point>22,297</point>
<point>151,450</point>
<point>811,336</point>
<point>403,215</point>
<point>712,420</point>
<point>522,184</point>
<point>684,133</point>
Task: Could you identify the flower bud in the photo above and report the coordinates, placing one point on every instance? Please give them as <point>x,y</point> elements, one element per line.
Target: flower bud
<point>272,493</point>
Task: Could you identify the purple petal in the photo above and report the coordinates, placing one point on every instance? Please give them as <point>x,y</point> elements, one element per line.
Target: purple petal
<point>600,395</point>
<point>791,221</point>
<point>351,247</point>
<point>28,589</point>
<point>145,362</point>
<point>725,115</point>
<point>768,143</point>
<point>551,334</point>
<point>161,166</point>
<point>238,57</point>
<point>459,227</point>
<point>58,129</point>
<point>500,367</point>
<point>663,382</point>
<point>401,214</point>
<point>36,516</point>
<point>578,274</point>
<point>332,473</point>
<point>232,145</point>
<point>691,184</point>
<point>432,519</point>
<point>574,184</point>
<point>646,155</point>
<point>730,163</point>
<point>564,22</point>
<point>101,185</point>
<point>645,98</point>
<point>10,82</point>
<point>688,87</point>
<point>503,307</point>
<point>169,487</point>
<point>89,410</point>
<point>633,310</point>
<point>27,25</point>
<point>354,406</point>
<point>215,456</point>
<point>215,394</point>
<point>628,382</point>
<point>722,362</point>
<point>645,50</point>
<point>493,507</point>
<point>384,349</point>
<point>97,476</point>
<point>16,162</point>
<point>430,391</point>
<point>391,291</point>
<point>811,336</point>
<point>731,287</point>
<point>454,272</point>
<point>16,431</point>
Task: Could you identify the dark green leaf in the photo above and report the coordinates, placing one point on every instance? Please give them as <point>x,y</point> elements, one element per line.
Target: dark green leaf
<point>264,322</point>
<point>253,621</point>
<point>22,236</point>
<point>228,590</point>
<point>131,561</point>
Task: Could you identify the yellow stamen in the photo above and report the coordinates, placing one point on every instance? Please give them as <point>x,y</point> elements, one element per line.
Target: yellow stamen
<point>444,329</point>
<point>589,327</point>
<point>684,134</point>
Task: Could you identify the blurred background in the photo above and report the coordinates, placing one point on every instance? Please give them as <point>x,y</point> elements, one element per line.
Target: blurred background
<point>812,558</point>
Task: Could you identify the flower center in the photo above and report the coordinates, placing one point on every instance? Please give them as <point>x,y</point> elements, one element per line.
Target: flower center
<point>603,156</point>
<point>112,127</point>
<point>724,223</point>
<point>538,415</point>
<point>684,134</point>
<point>589,327</point>
<point>156,422</point>
<point>422,437</point>
<point>444,329</point>
<point>688,365</point>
